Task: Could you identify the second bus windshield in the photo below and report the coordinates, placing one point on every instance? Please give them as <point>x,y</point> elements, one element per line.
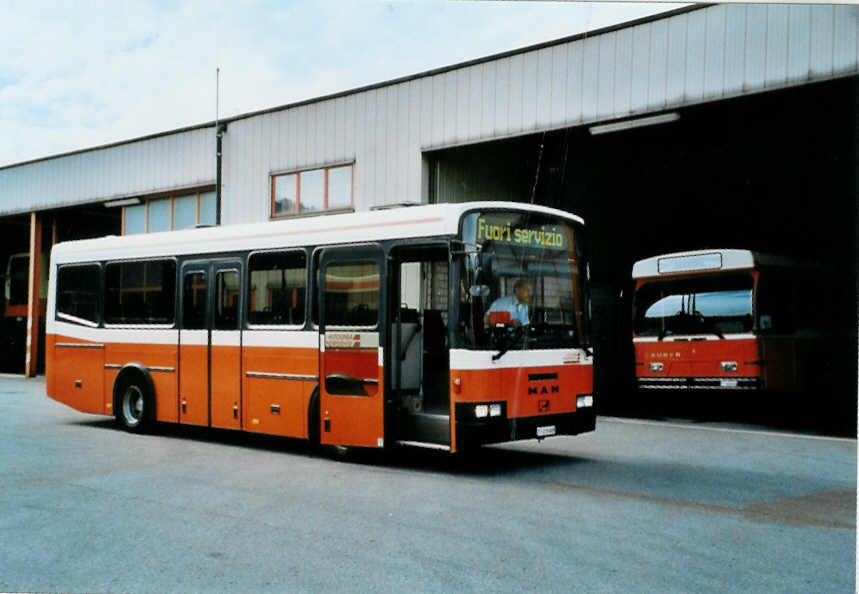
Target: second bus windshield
<point>716,305</point>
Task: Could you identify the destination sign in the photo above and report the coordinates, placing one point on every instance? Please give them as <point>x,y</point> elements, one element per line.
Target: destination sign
<point>506,228</point>
<point>690,263</point>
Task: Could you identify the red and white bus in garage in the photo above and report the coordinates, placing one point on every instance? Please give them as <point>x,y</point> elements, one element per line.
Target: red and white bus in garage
<point>369,329</point>
<point>722,319</point>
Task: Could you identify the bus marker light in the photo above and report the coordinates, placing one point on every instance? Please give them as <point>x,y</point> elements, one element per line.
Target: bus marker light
<point>494,410</point>
<point>457,385</point>
<point>656,366</point>
<point>481,411</point>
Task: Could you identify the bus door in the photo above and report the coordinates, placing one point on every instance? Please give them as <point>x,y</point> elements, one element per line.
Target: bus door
<point>210,344</point>
<point>225,342</point>
<point>351,366</point>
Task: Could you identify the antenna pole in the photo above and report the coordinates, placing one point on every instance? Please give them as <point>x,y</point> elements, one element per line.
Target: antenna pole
<point>218,135</point>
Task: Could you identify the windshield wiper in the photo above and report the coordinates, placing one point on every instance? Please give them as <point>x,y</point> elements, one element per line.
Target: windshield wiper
<point>508,339</point>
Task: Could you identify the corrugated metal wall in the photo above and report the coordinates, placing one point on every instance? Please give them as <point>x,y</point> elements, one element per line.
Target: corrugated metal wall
<point>702,55</point>
<point>180,160</point>
<point>718,52</point>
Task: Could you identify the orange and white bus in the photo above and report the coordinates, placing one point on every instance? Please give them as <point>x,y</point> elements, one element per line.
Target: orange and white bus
<point>362,329</point>
<point>722,319</point>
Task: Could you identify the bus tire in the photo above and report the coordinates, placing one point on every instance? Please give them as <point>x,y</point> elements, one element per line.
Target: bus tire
<point>133,403</point>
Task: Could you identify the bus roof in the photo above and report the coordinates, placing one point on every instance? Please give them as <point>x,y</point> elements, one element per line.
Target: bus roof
<point>709,260</point>
<point>430,220</point>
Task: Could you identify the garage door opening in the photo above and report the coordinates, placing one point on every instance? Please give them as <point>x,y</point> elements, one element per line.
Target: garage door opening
<point>773,172</point>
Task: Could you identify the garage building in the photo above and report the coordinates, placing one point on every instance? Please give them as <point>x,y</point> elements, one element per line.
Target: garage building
<point>709,126</point>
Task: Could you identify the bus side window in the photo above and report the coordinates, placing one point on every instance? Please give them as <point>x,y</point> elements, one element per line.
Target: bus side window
<point>77,293</point>
<point>277,287</point>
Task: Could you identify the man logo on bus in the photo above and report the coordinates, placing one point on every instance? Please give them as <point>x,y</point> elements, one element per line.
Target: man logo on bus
<point>555,389</point>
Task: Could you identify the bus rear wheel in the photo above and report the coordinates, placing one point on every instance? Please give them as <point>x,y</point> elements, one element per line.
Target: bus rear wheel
<point>131,407</point>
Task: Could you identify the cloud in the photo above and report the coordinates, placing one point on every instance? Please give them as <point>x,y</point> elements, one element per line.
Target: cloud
<point>73,76</point>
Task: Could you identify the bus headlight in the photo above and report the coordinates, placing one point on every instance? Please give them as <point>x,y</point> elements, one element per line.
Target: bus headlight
<point>729,366</point>
<point>656,366</point>
<point>481,411</point>
<point>584,401</point>
<point>494,410</point>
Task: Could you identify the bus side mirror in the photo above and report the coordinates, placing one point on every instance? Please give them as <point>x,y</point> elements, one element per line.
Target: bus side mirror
<point>478,291</point>
<point>766,322</point>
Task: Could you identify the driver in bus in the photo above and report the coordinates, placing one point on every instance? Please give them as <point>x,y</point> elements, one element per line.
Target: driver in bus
<point>516,304</point>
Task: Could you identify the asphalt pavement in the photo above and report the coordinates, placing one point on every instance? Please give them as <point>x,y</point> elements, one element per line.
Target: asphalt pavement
<point>637,506</point>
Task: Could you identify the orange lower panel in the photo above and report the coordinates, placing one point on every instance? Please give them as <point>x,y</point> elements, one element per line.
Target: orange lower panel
<point>78,373</point>
<point>353,420</point>
<point>278,406</point>
<point>194,384</point>
<point>226,387</point>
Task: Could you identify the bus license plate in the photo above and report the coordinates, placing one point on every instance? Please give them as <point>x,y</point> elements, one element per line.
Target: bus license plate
<point>728,383</point>
<point>545,431</point>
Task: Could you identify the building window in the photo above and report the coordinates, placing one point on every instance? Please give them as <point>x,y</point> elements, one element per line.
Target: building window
<point>171,212</point>
<point>313,190</point>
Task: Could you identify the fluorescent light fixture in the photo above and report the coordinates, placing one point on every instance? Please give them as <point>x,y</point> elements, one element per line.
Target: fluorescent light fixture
<point>122,202</point>
<point>664,118</point>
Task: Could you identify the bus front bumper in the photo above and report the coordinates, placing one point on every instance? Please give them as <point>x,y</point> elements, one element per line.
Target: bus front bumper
<point>475,432</point>
<point>699,383</point>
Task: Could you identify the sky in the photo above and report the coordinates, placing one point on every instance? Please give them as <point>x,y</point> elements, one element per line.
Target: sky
<point>75,75</point>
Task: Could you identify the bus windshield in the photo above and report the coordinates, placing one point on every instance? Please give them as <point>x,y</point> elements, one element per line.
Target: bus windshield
<point>522,282</point>
<point>708,305</point>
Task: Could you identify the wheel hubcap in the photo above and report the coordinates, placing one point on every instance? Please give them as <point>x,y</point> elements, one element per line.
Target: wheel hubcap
<point>132,406</point>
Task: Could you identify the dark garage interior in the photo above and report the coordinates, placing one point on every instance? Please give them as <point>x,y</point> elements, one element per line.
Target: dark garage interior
<point>66,224</point>
<point>773,172</point>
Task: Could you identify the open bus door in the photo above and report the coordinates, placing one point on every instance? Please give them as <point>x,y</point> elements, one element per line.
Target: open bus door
<point>351,366</point>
